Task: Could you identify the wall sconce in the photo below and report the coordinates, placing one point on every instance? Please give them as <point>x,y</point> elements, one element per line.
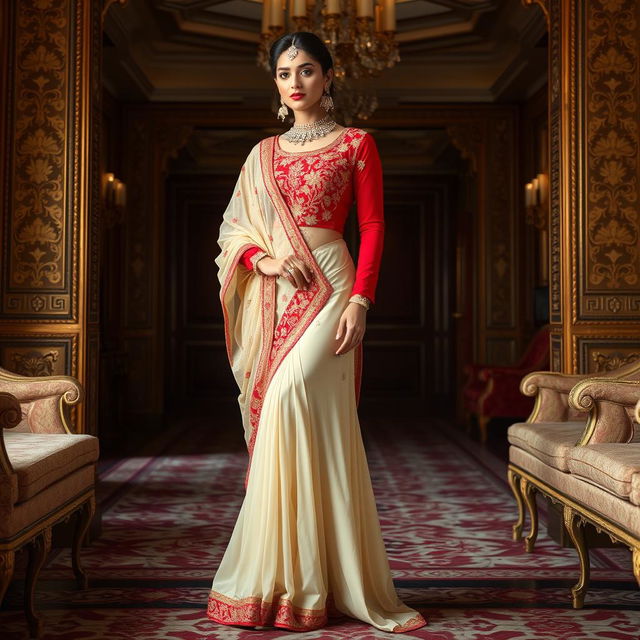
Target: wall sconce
<point>115,198</point>
<point>536,203</point>
<point>536,200</point>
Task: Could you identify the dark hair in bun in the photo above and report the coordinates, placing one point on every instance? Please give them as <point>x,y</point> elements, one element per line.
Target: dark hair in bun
<point>308,42</point>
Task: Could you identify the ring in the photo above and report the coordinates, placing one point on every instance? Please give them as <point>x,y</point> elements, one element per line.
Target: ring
<point>290,270</point>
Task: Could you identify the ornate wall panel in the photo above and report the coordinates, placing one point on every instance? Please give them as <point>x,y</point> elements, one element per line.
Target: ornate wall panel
<point>500,224</point>
<point>38,256</point>
<point>595,170</point>
<point>610,261</point>
<point>555,159</point>
<point>48,281</point>
<point>39,354</point>
<point>606,356</point>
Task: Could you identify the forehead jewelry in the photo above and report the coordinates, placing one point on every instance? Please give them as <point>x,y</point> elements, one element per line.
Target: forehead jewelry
<point>292,52</point>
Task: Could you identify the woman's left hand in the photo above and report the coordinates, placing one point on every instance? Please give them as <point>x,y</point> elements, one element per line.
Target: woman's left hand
<point>351,326</point>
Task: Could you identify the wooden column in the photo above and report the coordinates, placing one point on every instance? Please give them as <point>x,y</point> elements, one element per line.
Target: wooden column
<point>594,110</point>
<point>50,192</point>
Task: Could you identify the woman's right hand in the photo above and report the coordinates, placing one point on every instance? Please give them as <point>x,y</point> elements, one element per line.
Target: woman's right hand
<point>291,268</point>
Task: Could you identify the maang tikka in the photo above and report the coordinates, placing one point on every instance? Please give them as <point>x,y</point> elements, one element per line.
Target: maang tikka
<point>283,111</point>
<point>292,51</point>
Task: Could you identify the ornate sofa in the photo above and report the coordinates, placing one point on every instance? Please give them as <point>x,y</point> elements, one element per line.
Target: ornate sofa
<point>46,475</point>
<point>494,392</point>
<point>581,449</point>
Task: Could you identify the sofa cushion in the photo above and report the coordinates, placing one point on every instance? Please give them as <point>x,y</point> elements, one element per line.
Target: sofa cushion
<point>610,465</point>
<point>551,442</point>
<point>596,499</point>
<point>40,460</point>
<point>20,520</point>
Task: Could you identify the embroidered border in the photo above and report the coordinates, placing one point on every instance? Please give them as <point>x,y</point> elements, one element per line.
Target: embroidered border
<point>253,611</point>
<point>412,623</point>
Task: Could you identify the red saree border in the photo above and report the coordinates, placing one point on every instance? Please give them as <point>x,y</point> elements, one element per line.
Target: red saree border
<point>411,624</point>
<point>254,611</point>
<point>303,307</point>
<point>231,273</point>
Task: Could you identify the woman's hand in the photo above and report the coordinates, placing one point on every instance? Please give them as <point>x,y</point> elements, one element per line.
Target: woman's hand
<point>352,325</point>
<point>291,268</point>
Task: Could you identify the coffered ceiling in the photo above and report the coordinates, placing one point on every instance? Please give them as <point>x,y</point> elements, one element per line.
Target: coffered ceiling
<point>205,50</point>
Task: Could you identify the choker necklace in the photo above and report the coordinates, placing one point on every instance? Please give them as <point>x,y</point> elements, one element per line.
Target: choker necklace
<point>301,133</point>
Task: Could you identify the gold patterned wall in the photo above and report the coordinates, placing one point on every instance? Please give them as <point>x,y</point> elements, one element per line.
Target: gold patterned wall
<point>48,286</point>
<point>610,269</point>
<point>594,111</point>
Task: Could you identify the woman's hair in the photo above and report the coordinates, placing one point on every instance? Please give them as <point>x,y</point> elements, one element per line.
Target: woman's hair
<point>312,45</point>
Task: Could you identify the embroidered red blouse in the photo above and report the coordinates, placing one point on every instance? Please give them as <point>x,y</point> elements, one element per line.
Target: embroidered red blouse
<point>319,187</point>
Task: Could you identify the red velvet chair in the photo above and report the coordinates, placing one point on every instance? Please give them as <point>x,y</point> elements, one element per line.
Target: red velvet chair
<point>494,392</point>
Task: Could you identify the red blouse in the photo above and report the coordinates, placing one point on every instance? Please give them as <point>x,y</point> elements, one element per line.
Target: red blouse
<point>319,187</point>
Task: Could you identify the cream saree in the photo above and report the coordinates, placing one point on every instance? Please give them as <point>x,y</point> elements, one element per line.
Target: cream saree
<point>307,543</point>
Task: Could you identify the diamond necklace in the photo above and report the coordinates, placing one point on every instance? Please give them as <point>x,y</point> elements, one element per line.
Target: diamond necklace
<point>301,133</point>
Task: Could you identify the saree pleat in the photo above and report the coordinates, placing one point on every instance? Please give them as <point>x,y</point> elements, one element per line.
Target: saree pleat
<point>307,542</point>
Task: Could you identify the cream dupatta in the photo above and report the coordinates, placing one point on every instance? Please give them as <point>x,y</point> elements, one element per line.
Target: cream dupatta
<point>258,215</point>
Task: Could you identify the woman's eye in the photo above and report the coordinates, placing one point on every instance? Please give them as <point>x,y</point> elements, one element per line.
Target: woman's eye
<point>283,74</point>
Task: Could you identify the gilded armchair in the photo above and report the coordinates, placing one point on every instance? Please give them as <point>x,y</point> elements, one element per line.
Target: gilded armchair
<point>47,474</point>
<point>494,392</point>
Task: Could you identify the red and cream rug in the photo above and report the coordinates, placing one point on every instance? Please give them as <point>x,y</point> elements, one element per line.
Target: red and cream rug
<point>446,513</point>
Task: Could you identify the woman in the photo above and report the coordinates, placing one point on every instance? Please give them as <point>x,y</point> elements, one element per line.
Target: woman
<point>307,542</point>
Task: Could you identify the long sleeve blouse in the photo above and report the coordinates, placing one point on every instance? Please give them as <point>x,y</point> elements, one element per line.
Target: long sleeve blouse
<point>320,186</point>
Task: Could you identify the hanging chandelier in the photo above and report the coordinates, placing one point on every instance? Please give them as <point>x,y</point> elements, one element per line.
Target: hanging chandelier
<point>360,35</point>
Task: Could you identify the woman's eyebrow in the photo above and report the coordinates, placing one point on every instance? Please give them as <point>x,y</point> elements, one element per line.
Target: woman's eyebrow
<point>304,64</point>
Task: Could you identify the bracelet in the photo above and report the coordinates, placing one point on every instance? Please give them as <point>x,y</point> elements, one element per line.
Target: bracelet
<point>256,257</point>
<point>361,300</point>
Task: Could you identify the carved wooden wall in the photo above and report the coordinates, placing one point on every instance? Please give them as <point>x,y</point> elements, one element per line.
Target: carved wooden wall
<point>50,210</point>
<point>595,169</point>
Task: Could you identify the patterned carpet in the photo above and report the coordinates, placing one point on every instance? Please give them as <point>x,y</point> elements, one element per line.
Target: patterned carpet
<point>446,513</point>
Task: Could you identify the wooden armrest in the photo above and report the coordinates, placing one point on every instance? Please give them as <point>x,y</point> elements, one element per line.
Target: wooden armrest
<point>611,404</point>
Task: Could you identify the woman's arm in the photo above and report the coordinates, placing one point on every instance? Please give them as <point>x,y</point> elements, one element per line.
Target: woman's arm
<point>369,201</point>
<point>250,256</point>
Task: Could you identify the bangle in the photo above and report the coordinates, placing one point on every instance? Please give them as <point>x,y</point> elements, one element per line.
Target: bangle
<point>361,300</point>
<point>255,258</point>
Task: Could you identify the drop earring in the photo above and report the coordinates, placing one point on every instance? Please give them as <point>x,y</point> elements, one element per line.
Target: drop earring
<point>326,102</point>
<point>283,111</point>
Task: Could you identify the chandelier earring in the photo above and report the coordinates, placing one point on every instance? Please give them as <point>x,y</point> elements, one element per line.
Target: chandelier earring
<point>326,102</point>
<point>283,111</point>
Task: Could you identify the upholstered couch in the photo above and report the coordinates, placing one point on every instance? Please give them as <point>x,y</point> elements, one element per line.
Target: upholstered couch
<point>46,475</point>
<point>581,448</point>
<point>494,392</point>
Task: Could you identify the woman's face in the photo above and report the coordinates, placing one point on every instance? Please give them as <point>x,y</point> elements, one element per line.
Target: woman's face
<point>300,81</point>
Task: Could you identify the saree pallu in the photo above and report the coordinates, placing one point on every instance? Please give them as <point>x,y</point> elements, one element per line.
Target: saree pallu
<point>307,543</point>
